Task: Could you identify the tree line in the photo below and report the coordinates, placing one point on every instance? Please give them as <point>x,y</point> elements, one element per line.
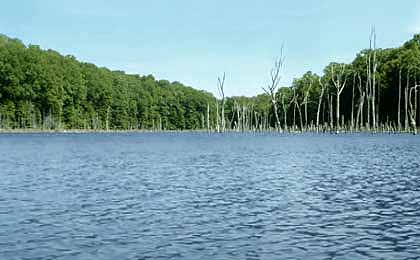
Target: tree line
<point>42,89</point>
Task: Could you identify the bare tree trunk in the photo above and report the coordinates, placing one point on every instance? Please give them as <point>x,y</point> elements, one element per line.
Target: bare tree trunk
<point>294,118</point>
<point>276,114</point>
<point>371,67</point>
<point>238,116</point>
<point>337,111</point>
<point>256,122</point>
<point>208,117</point>
<point>217,117</point>
<point>295,103</point>
<point>406,100</point>
<point>418,107</point>
<point>271,90</point>
<point>330,98</point>
<point>221,84</point>
<point>378,102</point>
<point>323,114</point>
<point>352,105</point>
<point>243,118</point>
<point>305,100</point>
<point>415,103</point>
<point>360,111</point>
<point>413,110</point>
<point>373,75</point>
<point>284,112</point>
<point>339,84</point>
<point>267,120</point>
<point>399,100</point>
<point>300,116</point>
<point>319,104</point>
<point>368,98</point>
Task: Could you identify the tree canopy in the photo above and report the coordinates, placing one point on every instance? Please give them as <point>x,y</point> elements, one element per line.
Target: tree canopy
<point>43,89</point>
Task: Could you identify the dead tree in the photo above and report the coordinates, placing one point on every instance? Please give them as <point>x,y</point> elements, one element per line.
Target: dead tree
<point>305,102</point>
<point>217,117</point>
<point>294,102</point>
<point>238,115</point>
<point>399,100</point>
<point>372,65</point>
<point>339,79</point>
<point>285,107</point>
<point>297,106</point>
<point>362,94</point>
<point>415,99</point>
<point>271,89</point>
<point>300,113</point>
<point>406,100</point>
<point>208,117</point>
<point>352,104</point>
<point>319,103</point>
<point>413,109</point>
<point>331,117</point>
<point>220,87</point>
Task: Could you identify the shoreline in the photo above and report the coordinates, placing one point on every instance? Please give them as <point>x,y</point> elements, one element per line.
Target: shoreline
<point>116,131</point>
<point>85,131</point>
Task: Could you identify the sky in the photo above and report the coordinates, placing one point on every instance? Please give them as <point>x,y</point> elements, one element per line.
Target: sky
<point>194,42</point>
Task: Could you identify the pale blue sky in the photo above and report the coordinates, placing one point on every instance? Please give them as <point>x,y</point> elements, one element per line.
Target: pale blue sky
<point>195,41</point>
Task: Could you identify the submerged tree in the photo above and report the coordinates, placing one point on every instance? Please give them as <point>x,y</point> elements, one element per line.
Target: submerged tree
<point>413,108</point>
<point>220,87</point>
<point>337,74</point>
<point>321,95</point>
<point>271,89</point>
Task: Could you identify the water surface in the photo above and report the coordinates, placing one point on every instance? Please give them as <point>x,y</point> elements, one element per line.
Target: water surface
<point>208,196</point>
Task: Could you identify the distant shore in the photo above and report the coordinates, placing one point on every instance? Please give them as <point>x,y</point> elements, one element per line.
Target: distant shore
<point>87,131</point>
<point>115,131</point>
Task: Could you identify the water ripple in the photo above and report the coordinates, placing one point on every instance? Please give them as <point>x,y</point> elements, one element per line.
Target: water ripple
<point>203,196</point>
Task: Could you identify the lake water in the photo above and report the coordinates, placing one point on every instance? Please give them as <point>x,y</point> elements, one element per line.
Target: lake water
<point>209,196</point>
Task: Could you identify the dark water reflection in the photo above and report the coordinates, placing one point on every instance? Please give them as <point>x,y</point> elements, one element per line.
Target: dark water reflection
<point>201,196</point>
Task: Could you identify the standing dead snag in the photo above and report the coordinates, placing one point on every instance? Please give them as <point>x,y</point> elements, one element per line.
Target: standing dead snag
<point>339,79</point>
<point>217,116</point>
<point>305,102</point>
<point>399,100</point>
<point>271,89</point>
<point>293,101</point>
<point>331,116</point>
<point>208,117</point>
<point>406,100</point>
<point>285,108</point>
<point>362,94</point>
<point>319,103</point>
<point>413,109</point>
<point>372,65</point>
<point>220,87</point>
<point>352,105</point>
<point>297,105</point>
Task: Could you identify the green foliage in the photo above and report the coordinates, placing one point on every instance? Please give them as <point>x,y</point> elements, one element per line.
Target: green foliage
<point>43,89</point>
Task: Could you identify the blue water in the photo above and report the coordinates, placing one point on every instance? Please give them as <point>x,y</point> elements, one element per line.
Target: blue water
<point>209,196</point>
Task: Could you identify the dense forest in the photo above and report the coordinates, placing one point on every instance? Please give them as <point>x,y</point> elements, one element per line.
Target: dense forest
<point>41,89</point>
